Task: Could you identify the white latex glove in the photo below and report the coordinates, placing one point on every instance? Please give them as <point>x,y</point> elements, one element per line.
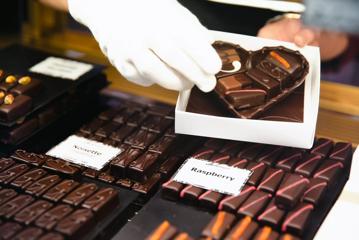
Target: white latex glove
<point>156,41</point>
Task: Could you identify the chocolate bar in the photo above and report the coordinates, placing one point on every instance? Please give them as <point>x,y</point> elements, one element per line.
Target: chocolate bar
<point>250,83</point>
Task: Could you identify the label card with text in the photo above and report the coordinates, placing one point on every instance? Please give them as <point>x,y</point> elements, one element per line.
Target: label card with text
<point>84,152</point>
<point>212,176</point>
<point>62,68</point>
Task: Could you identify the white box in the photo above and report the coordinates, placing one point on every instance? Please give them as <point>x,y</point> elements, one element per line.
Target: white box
<point>294,134</point>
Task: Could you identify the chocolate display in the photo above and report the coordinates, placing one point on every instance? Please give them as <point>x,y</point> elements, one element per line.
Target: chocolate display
<point>34,203</point>
<point>250,83</point>
<point>284,189</point>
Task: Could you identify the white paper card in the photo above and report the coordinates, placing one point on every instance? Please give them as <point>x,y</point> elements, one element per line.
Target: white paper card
<point>212,176</point>
<point>84,152</point>
<point>62,68</point>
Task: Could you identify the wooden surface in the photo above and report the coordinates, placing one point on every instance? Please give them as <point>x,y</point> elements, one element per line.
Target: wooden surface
<point>339,104</point>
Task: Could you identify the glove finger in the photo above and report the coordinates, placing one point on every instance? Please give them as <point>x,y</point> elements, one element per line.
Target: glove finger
<point>181,63</point>
<point>151,68</point>
<point>201,52</point>
<point>130,72</point>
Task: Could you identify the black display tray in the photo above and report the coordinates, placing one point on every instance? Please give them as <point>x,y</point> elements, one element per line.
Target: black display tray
<point>193,219</point>
<point>17,59</point>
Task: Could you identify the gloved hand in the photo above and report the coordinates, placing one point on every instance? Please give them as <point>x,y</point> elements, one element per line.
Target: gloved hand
<point>149,42</point>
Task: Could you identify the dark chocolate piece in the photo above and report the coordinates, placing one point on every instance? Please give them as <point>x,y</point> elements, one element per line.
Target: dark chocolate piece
<point>266,233</point>
<point>125,182</point>
<point>244,229</point>
<point>275,72</point>
<point>6,195</point>
<point>42,185</point>
<point>171,189</point>
<point>121,133</point>
<point>297,219</point>
<point>254,204</point>
<point>165,231</point>
<point>219,225</point>
<point>270,154</point>
<point>50,218</point>
<point>30,158</point>
<point>316,190</point>
<point>238,162</point>
<point>30,213</point>
<point>204,153</point>
<point>162,145</point>
<point>258,169</point>
<point>265,82</point>
<point>191,193</point>
<point>13,206</point>
<point>77,196</point>
<point>250,152</point>
<point>21,105</point>
<point>29,233</point>
<point>231,147</point>
<point>123,116</point>
<point>108,114</point>
<point>210,199</point>
<point>156,123</point>
<point>9,229</point>
<point>284,60</point>
<point>170,165</point>
<point>91,173</point>
<point>232,203</point>
<point>60,190</point>
<point>271,180</point>
<point>61,166</point>
<point>233,82</point>
<point>76,224</point>
<point>106,177</point>
<point>107,129</point>
<point>147,186</point>
<point>246,98</point>
<point>122,161</point>
<point>52,236</point>
<point>5,163</point>
<point>322,147</point>
<point>31,89</point>
<point>289,159</point>
<point>28,178</point>
<point>13,172</point>
<point>329,170</point>
<point>221,158</point>
<point>308,165</point>
<point>290,190</point>
<point>342,152</point>
<point>143,166</point>
<point>136,119</point>
<point>92,126</point>
<point>102,201</point>
<point>272,215</point>
<point>22,131</point>
<point>9,82</point>
<point>141,138</point>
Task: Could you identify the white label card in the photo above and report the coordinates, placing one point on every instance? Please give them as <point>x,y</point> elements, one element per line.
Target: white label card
<point>212,176</point>
<point>62,68</point>
<point>84,152</point>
